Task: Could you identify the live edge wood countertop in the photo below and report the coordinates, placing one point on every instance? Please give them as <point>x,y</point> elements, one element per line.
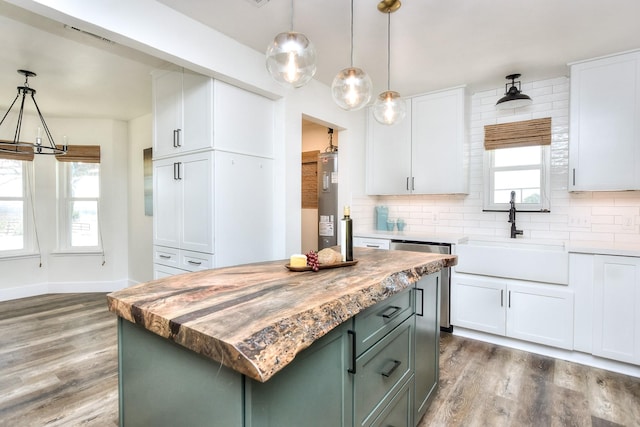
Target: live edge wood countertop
<point>255,318</point>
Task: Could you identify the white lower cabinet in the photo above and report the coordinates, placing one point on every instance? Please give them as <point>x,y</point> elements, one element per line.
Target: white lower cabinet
<point>529,311</point>
<point>616,308</point>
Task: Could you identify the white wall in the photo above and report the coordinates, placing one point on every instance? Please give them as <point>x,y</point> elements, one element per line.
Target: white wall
<point>64,272</point>
<point>574,216</point>
<point>140,226</point>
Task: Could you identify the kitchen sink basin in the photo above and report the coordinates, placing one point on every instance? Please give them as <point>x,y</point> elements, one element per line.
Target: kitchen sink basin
<point>513,259</point>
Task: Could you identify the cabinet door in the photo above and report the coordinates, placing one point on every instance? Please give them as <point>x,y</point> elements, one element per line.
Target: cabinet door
<point>604,150</point>
<point>196,178</point>
<point>314,390</point>
<point>427,343</point>
<point>244,209</point>
<point>478,303</point>
<point>167,197</point>
<point>389,156</point>
<point>244,121</point>
<point>438,154</point>
<point>197,112</point>
<point>616,302</point>
<point>540,313</point>
<point>167,108</point>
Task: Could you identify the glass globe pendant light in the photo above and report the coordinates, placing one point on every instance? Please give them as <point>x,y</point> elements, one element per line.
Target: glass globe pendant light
<point>291,58</point>
<point>389,107</point>
<point>351,88</point>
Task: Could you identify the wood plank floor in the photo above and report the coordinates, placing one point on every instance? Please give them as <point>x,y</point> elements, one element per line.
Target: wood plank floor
<point>58,367</point>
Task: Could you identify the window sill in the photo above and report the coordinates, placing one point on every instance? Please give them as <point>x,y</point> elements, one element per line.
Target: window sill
<point>9,257</point>
<point>75,252</point>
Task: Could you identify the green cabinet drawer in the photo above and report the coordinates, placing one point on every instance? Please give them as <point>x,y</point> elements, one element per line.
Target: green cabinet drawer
<point>399,411</point>
<point>382,371</point>
<point>375,322</point>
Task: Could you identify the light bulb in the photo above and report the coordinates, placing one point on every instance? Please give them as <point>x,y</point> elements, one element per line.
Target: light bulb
<point>389,108</point>
<point>291,59</point>
<point>351,89</point>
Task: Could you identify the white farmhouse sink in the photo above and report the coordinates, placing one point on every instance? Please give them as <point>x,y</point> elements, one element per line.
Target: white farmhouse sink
<point>514,259</point>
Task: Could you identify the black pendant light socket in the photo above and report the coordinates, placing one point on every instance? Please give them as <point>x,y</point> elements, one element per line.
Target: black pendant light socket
<point>513,96</point>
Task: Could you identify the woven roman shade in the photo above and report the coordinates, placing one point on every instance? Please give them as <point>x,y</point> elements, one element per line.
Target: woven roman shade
<point>18,153</point>
<point>80,153</point>
<point>518,134</point>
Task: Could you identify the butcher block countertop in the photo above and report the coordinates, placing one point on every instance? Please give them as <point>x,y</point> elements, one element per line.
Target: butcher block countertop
<point>256,318</point>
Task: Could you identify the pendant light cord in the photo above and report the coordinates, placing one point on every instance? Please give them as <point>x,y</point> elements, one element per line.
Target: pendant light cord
<point>292,16</point>
<point>388,50</point>
<point>351,33</point>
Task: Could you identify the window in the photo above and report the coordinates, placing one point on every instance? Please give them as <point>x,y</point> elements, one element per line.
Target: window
<point>519,169</point>
<point>517,160</point>
<point>79,205</point>
<point>15,215</point>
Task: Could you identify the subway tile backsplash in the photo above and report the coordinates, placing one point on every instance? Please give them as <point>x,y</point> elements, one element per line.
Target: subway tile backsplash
<point>590,216</point>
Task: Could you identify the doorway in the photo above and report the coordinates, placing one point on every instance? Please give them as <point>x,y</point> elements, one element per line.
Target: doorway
<point>315,140</point>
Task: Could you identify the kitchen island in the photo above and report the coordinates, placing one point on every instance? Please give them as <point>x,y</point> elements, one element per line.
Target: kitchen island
<point>257,344</point>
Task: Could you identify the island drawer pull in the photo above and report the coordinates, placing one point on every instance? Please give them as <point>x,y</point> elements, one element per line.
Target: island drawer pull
<point>394,312</point>
<point>352,370</point>
<point>390,371</point>
<point>421,314</point>
<point>194,262</point>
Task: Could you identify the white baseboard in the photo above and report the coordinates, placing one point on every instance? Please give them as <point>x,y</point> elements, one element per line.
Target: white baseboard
<point>61,287</point>
<point>558,353</point>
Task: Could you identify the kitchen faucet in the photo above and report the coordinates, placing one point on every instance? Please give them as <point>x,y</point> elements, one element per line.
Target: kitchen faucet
<point>512,216</point>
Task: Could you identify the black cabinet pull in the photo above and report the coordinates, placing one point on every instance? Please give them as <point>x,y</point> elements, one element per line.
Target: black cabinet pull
<point>176,138</point>
<point>574,176</point>
<point>394,312</point>
<point>421,302</point>
<point>164,256</point>
<point>352,370</point>
<point>501,297</point>
<point>194,262</point>
<point>390,371</point>
<point>413,183</point>
<point>509,299</point>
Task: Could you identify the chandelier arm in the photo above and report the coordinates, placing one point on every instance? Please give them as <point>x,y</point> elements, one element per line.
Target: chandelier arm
<point>10,107</point>
<point>44,124</point>
<point>16,136</point>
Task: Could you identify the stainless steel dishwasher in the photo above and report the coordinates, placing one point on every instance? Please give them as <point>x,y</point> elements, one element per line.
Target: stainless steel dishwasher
<point>445,288</point>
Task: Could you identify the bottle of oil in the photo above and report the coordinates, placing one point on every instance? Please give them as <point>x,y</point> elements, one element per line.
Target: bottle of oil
<point>346,236</point>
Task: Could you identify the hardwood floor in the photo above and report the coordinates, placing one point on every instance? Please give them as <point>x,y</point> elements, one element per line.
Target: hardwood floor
<point>483,384</point>
<point>58,361</point>
<point>58,367</point>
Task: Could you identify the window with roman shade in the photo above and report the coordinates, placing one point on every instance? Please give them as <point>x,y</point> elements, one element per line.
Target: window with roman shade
<point>517,159</point>
<point>79,199</point>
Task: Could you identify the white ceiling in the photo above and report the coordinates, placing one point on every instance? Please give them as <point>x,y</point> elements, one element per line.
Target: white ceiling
<point>435,44</point>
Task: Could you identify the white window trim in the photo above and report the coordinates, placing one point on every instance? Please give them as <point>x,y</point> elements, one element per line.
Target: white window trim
<point>28,226</point>
<point>64,217</point>
<point>545,188</point>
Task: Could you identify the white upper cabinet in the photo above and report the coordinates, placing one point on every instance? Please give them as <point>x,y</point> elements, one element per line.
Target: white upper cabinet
<point>389,156</point>
<point>604,133</point>
<point>426,153</point>
<point>183,112</point>
<point>244,121</point>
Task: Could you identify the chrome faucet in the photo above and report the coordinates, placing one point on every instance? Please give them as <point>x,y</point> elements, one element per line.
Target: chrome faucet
<point>512,216</point>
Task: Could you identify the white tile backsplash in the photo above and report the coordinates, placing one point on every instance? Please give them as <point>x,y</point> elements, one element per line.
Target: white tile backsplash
<point>583,216</point>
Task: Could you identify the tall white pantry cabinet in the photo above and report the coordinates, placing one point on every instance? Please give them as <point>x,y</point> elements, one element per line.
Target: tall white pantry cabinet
<point>213,176</point>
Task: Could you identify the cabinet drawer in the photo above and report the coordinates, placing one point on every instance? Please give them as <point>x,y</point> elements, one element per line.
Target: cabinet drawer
<point>195,261</point>
<point>382,371</point>
<point>398,412</point>
<point>166,256</point>
<point>366,242</point>
<point>375,322</point>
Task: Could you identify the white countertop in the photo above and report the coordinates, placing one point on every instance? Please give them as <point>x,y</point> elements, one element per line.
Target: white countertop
<point>585,247</point>
<point>604,248</point>
<point>452,239</point>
